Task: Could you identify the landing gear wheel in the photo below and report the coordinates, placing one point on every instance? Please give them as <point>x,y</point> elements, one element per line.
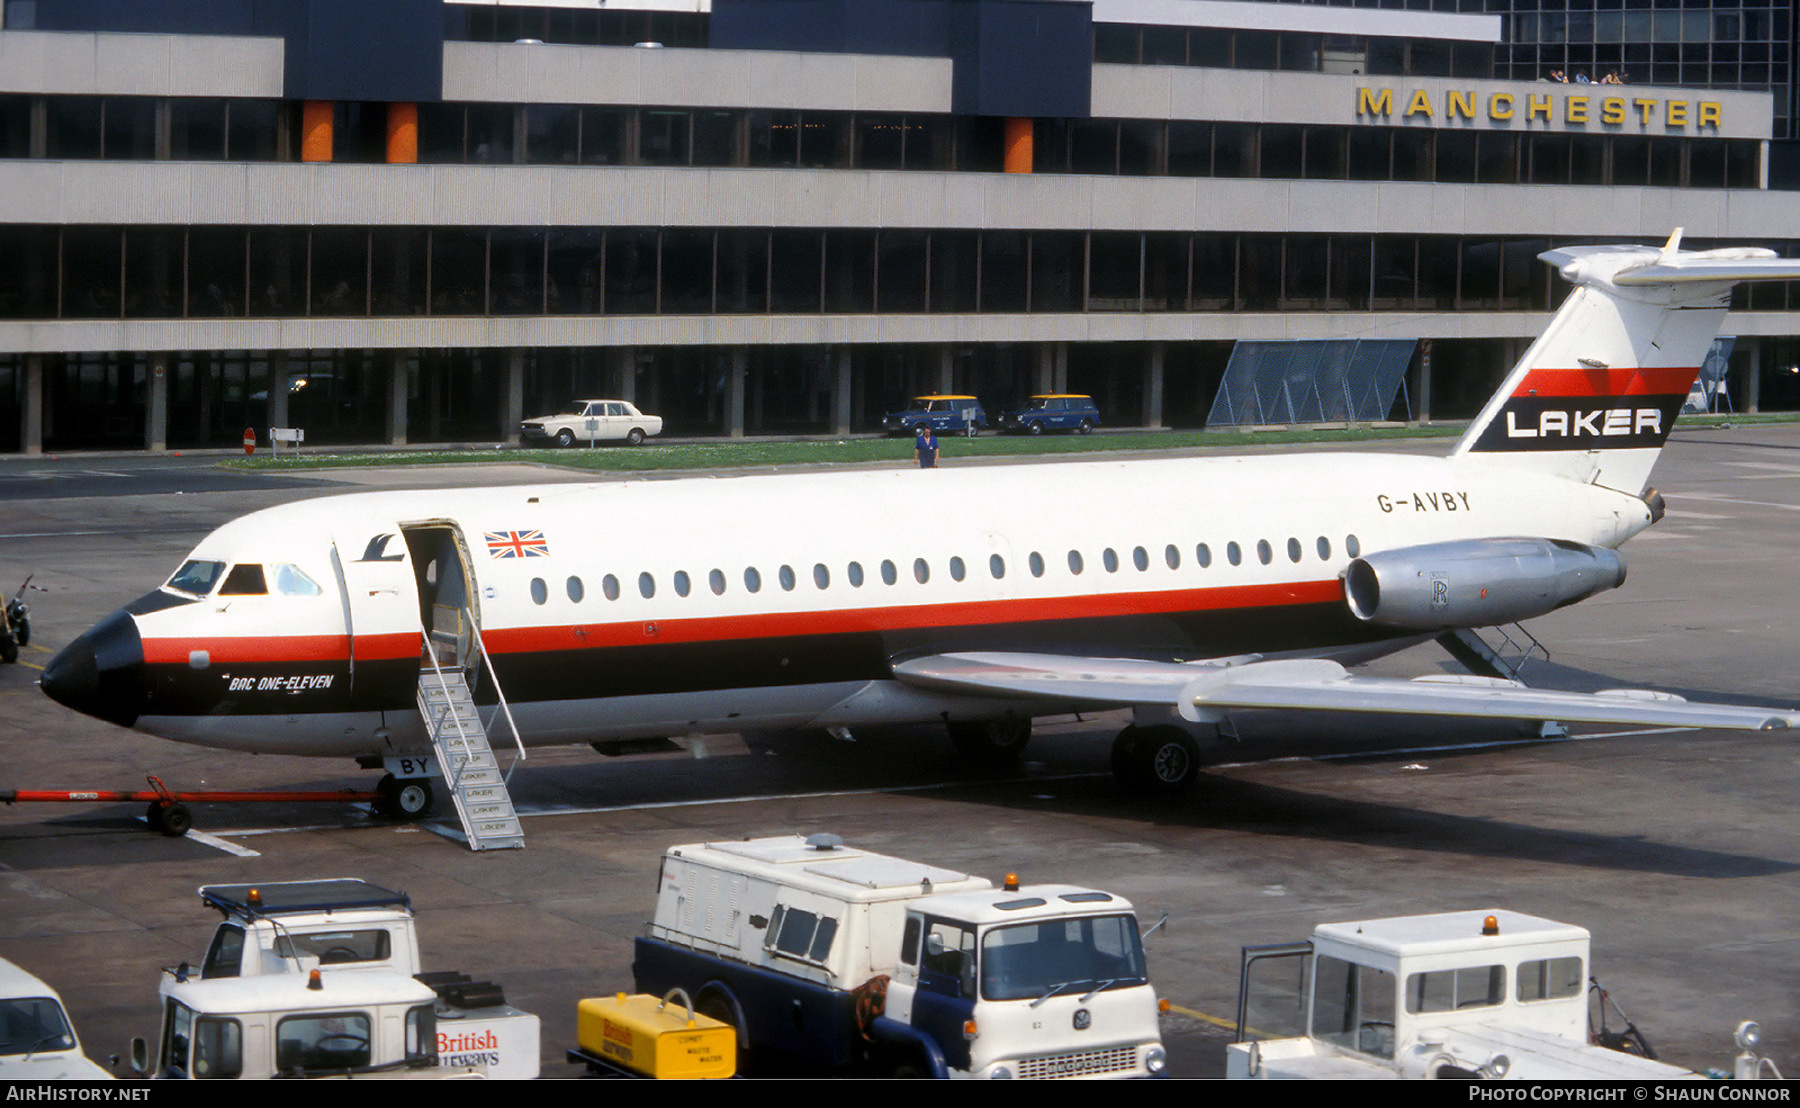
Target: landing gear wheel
<point>176,821</point>
<point>992,741</point>
<point>403,798</point>
<point>1160,761</point>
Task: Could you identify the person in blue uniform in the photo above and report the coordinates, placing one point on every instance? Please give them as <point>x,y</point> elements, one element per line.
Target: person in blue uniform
<point>925,448</point>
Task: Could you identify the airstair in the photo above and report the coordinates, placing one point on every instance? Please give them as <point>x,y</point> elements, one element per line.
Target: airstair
<point>471,771</point>
<point>1505,660</point>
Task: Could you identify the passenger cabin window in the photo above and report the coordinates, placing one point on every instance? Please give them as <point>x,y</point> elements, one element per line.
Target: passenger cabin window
<point>921,571</point>
<point>1036,562</point>
<point>576,591</point>
<point>997,566</point>
<point>1264,552</point>
<point>957,572</point>
<point>1550,979</point>
<point>1453,990</point>
<point>1203,555</point>
<point>196,578</point>
<point>1110,559</point>
<point>1234,554</point>
<point>821,576</point>
<point>540,592</point>
<point>682,585</point>
<point>1324,549</point>
<point>1352,547</point>
<point>855,572</point>
<point>1172,556</point>
<point>716,581</point>
<point>1075,563</point>
<point>752,580</point>
<point>609,587</point>
<point>889,573</point>
<point>646,585</point>
<point>786,576</point>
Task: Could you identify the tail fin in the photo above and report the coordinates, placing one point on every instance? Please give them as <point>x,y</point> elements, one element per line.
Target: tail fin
<point>1596,395</point>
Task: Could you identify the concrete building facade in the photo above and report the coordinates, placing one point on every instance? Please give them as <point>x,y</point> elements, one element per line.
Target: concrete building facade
<point>787,216</point>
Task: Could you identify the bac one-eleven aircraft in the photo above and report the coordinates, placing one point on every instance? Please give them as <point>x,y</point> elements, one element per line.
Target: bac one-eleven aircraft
<point>1179,588</point>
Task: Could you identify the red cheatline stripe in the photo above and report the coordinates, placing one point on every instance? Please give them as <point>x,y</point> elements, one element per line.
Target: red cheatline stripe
<point>1585,381</point>
<point>518,640</point>
<point>280,648</point>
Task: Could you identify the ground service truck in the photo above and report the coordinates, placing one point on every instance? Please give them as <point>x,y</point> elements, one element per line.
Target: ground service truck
<point>1463,995</point>
<point>322,979</point>
<point>830,959</point>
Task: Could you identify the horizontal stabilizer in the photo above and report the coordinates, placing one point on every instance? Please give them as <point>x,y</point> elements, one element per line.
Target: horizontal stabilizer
<point>1595,397</point>
<point>1311,684</point>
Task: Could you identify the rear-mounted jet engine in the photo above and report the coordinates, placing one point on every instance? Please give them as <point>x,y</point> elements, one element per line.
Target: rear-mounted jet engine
<point>1476,582</point>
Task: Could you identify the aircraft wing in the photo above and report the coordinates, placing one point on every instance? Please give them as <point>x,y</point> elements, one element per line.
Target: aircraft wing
<point>1310,683</point>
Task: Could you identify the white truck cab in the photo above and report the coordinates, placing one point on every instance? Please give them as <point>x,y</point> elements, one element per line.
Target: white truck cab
<point>37,1041</point>
<point>839,960</point>
<point>1485,994</point>
<point>322,978</point>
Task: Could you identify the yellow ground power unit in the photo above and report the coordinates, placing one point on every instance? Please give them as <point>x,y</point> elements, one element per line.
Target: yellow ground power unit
<point>655,1037</point>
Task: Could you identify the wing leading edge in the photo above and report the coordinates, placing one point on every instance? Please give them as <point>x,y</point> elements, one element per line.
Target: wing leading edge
<point>1310,684</point>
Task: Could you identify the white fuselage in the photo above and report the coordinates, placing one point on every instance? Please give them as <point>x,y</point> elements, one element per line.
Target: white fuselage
<point>700,605</point>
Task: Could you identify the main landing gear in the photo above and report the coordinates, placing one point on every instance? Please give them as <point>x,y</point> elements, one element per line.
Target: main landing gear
<point>991,742</point>
<point>1156,760</point>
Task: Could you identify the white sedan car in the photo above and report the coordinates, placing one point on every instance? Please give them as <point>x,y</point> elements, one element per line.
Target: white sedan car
<point>593,421</point>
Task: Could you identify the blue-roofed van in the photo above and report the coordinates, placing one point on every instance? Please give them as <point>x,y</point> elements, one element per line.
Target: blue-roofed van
<point>1053,412</point>
<point>943,413</point>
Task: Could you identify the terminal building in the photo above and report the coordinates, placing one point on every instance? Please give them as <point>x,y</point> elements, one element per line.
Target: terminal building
<point>420,221</point>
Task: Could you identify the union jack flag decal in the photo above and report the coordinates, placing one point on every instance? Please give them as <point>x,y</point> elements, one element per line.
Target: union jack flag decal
<point>516,544</point>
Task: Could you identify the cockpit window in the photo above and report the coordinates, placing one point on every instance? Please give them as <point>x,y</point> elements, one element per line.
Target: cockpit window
<point>196,578</point>
<point>291,580</point>
<point>245,580</point>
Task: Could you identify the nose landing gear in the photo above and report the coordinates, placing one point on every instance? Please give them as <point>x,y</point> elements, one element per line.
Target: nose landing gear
<point>404,798</point>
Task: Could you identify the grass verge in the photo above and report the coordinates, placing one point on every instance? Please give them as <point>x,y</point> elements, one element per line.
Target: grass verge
<point>767,452</point>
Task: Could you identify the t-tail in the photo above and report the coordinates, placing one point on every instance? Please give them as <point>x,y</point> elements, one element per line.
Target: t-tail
<point>1596,395</point>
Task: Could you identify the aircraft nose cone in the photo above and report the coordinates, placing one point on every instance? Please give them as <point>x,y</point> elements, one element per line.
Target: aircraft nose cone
<point>101,673</point>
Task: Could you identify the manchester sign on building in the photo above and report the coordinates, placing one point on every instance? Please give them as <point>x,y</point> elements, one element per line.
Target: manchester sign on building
<point>1565,107</point>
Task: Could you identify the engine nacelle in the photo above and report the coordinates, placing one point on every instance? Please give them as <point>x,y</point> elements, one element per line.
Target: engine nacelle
<point>1476,582</point>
